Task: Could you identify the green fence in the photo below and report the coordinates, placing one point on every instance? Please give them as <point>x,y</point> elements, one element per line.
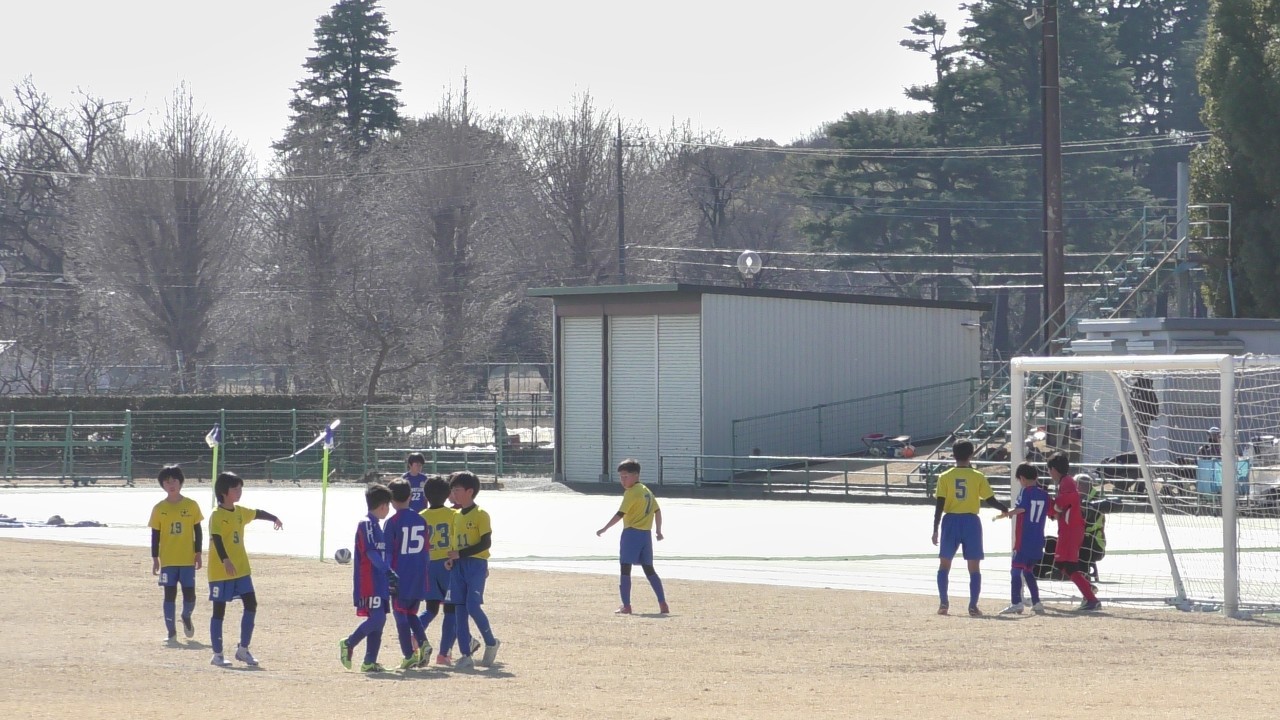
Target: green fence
<point>85,447</point>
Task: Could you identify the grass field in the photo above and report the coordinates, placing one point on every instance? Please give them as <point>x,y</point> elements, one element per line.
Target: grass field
<point>82,637</point>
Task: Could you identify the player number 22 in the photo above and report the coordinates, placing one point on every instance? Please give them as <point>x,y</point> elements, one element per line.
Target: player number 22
<point>411,541</point>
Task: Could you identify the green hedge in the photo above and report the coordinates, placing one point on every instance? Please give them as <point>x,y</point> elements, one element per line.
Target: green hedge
<point>117,403</point>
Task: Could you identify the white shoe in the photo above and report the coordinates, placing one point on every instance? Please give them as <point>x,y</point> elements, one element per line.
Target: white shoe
<point>1038,608</point>
<point>1014,609</point>
<point>490,654</point>
<point>465,663</point>
<point>475,645</point>
<point>220,661</point>
<point>242,654</point>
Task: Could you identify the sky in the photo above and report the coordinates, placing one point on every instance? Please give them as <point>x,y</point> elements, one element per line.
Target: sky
<point>778,74</point>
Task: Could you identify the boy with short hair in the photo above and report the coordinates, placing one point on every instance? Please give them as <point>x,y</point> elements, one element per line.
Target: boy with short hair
<point>414,463</point>
<point>469,558</point>
<point>373,582</point>
<point>1028,538</point>
<point>439,520</point>
<point>639,513</point>
<point>229,576</point>
<point>176,543</point>
<point>1070,516</point>
<point>961,491</point>
<point>407,535</point>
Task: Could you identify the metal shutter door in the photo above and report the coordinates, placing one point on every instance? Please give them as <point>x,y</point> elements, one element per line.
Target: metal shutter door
<point>679,395</point>
<point>633,393</point>
<point>581,383</point>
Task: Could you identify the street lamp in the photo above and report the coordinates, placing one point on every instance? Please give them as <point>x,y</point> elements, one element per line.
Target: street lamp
<point>1051,154</point>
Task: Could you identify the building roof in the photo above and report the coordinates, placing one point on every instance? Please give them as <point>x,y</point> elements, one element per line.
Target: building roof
<point>1159,324</point>
<point>593,293</point>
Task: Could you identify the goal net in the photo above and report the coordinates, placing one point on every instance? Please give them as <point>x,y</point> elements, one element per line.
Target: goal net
<point>1160,435</point>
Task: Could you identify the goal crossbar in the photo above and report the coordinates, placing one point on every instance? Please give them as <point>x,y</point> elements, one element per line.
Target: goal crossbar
<point>1224,365</point>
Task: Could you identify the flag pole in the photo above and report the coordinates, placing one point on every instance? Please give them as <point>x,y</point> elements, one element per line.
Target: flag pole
<point>213,474</point>
<point>324,493</point>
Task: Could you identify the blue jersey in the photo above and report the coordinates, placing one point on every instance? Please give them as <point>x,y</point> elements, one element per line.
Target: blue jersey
<point>407,537</point>
<point>1029,534</point>
<point>369,571</point>
<point>417,495</point>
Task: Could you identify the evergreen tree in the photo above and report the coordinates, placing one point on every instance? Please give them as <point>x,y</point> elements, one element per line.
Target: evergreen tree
<point>348,97</point>
<point>1240,80</point>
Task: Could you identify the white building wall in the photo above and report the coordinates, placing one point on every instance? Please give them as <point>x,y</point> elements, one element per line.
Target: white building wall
<point>763,354</point>
<point>582,402</point>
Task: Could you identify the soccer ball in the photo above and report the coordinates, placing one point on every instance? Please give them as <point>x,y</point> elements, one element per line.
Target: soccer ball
<point>343,556</point>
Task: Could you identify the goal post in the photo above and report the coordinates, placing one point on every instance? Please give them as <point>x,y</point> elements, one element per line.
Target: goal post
<point>1144,411</point>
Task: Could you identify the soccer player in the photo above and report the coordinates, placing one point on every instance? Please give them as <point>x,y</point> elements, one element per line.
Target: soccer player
<point>229,576</point>
<point>417,481</point>
<point>176,543</point>
<point>639,514</point>
<point>1028,538</point>
<point>406,534</point>
<point>960,493</point>
<point>469,557</point>
<point>373,582</point>
<point>1067,511</point>
<point>439,521</point>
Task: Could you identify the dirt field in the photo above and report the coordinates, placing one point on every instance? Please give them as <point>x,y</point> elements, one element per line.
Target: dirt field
<point>82,638</point>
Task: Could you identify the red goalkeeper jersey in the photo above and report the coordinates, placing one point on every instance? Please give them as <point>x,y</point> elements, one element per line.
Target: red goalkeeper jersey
<point>1066,508</point>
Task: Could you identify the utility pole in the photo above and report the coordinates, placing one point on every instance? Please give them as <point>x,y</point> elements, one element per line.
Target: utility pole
<point>622,235</point>
<point>1051,149</point>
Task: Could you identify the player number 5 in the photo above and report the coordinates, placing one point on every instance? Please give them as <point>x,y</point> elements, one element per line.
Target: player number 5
<point>960,489</point>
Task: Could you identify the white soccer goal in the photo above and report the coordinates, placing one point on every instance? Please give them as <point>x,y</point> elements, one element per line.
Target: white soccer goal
<point>1140,425</point>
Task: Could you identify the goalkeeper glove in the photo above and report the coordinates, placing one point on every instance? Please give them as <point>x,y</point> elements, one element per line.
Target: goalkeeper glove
<point>393,582</point>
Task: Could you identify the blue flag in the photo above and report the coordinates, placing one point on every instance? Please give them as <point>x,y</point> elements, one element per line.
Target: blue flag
<point>214,438</point>
<point>328,437</point>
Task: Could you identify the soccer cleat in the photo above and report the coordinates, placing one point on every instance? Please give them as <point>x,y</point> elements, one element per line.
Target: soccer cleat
<point>172,641</point>
<point>623,610</point>
<point>188,627</point>
<point>220,661</point>
<point>1014,609</point>
<point>344,653</point>
<point>475,645</point>
<point>465,663</point>
<point>490,653</point>
<point>942,609</point>
<point>664,609</point>
<point>371,667</point>
<point>974,611</point>
<point>410,662</point>
<point>1038,608</point>
<point>444,660</point>
<point>242,654</point>
<point>424,655</point>
<point>1087,606</point>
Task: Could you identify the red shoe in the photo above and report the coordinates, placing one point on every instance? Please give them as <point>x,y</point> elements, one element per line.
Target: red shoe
<point>664,608</point>
<point>623,610</point>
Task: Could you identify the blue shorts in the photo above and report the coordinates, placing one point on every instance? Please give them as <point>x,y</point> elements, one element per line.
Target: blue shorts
<point>184,575</point>
<point>228,590</point>
<point>961,529</point>
<point>635,547</point>
<point>1028,559</point>
<point>466,586</point>
<point>438,580</point>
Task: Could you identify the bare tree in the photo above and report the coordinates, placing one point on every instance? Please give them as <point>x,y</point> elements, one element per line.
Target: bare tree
<point>165,225</point>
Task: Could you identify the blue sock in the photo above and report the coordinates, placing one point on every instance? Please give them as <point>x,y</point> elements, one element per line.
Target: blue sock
<point>188,607</point>
<point>942,586</point>
<point>419,632</point>
<point>624,589</point>
<point>975,588</point>
<point>246,629</point>
<point>448,634</point>
<point>656,582</point>
<point>402,634</point>
<point>169,608</point>
<point>371,647</point>
<point>1016,586</point>
<point>371,632</point>
<point>1032,587</point>
<point>215,634</point>
<point>482,623</point>
<point>426,617</point>
<point>463,629</point>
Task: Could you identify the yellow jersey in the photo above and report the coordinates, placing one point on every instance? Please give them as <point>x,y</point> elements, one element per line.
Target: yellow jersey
<point>963,489</point>
<point>638,507</point>
<point>440,530</point>
<point>469,527</point>
<point>176,522</point>
<point>229,524</point>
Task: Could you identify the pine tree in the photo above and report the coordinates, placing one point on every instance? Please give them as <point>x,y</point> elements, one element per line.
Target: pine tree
<point>348,97</point>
